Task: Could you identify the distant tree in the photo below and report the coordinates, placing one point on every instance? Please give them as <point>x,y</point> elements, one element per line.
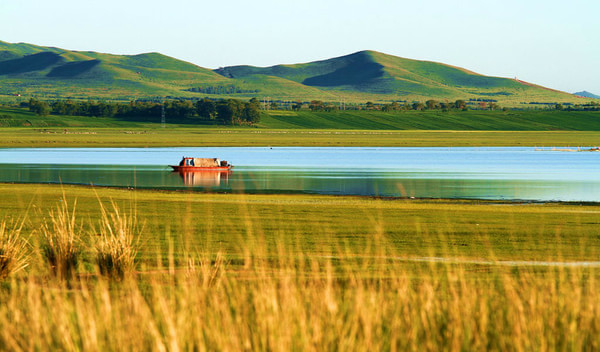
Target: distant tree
<point>418,106</point>
<point>251,113</point>
<point>206,109</point>
<point>558,107</point>
<point>297,106</point>
<point>460,104</point>
<point>38,107</point>
<point>370,105</point>
<point>316,105</point>
<point>225,112</point>
<point>493,106</point>
<point>59,107</point>
<point>330,107</point>
<point>432,104</point>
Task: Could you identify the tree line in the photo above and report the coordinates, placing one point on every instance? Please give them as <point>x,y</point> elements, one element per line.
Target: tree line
<point>225,89</point>
<point>223,111</point>
<point>318,105</point>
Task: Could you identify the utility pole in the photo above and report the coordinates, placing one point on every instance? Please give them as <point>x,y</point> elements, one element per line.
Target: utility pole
<point>163,118</point>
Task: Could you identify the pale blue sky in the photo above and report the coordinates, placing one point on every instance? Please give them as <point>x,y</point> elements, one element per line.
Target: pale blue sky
<point>552,43</point>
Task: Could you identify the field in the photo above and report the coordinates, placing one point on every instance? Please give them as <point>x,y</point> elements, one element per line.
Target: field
<point>21,128</point>
<point>254,272</point>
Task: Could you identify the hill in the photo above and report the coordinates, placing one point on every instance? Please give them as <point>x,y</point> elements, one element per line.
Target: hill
<point>54,73</point>
<point>390,77</point>
<point>587,94</point>
<point>57,73</point>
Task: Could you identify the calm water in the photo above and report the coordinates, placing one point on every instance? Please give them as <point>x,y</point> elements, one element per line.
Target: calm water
<point>478,173</point>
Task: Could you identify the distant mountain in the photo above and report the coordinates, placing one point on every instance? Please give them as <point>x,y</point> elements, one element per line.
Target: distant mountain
<point>587,94</point>
<point>50,72</point>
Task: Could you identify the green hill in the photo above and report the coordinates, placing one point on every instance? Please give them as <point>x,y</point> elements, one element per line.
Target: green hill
<point>54,73</point>
<point>390,77</point>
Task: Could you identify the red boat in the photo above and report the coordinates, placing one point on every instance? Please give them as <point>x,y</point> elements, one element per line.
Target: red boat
<point>188,164</point>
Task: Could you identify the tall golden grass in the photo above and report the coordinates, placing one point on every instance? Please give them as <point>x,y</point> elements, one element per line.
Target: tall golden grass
<point>13,249</point>
<point>62,236</point>
<point>115,247</point>
<point>287,299</point>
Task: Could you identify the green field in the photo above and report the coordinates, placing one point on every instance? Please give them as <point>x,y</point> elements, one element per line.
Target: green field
<point>432,120</point>
<point>412,228</point>
<point>21,128</point>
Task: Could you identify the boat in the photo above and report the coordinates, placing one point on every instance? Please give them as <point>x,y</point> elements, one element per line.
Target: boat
<point>188,164</point>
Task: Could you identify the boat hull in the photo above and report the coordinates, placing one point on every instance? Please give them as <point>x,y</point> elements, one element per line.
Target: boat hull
<point>184,168</point>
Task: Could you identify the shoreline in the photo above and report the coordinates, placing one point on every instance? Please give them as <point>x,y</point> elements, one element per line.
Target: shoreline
<point>423,200</point>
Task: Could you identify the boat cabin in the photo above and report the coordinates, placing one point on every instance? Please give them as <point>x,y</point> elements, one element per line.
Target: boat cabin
<point>203,162</point>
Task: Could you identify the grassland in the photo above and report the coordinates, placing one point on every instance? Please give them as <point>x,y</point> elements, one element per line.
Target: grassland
<point>254,272</point>
<point>302,272</point>
<point>21,128</point>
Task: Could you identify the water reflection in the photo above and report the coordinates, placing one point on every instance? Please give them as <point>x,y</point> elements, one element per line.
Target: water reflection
<point>205,178</point>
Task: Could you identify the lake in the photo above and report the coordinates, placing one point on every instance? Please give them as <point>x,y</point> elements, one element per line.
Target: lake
<point>474,173</point>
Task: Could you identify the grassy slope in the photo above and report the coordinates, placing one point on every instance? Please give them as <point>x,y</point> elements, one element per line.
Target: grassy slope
<point>97,74</point>
<point>357,77</point>
<point>390,77</point>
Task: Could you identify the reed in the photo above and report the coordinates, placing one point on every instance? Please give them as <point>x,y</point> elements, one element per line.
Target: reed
<point>62,236</point>
<point>285,305</point>
<point>14,256</point>
<point>116,242</point>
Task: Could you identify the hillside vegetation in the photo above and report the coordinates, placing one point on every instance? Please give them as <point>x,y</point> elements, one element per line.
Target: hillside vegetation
<point>54,73</point>
<point>390,77</point>
<point>58,73</point>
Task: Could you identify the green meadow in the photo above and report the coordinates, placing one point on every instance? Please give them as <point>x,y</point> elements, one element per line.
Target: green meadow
<point>21,128</point>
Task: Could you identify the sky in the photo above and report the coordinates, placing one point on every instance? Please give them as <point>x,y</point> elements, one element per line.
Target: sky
<point>552,43</point>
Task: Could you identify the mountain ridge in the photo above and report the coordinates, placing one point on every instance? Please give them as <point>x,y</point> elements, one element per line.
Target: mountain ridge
<point>587,94</point>
<point>364,75</point>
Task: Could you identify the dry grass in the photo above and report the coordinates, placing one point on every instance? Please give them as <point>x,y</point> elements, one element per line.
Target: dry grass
<point>285,297</point>
<point>116,243</point>
<point>285,305</point>
<point>62,236</point>
<point>13,250</point>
